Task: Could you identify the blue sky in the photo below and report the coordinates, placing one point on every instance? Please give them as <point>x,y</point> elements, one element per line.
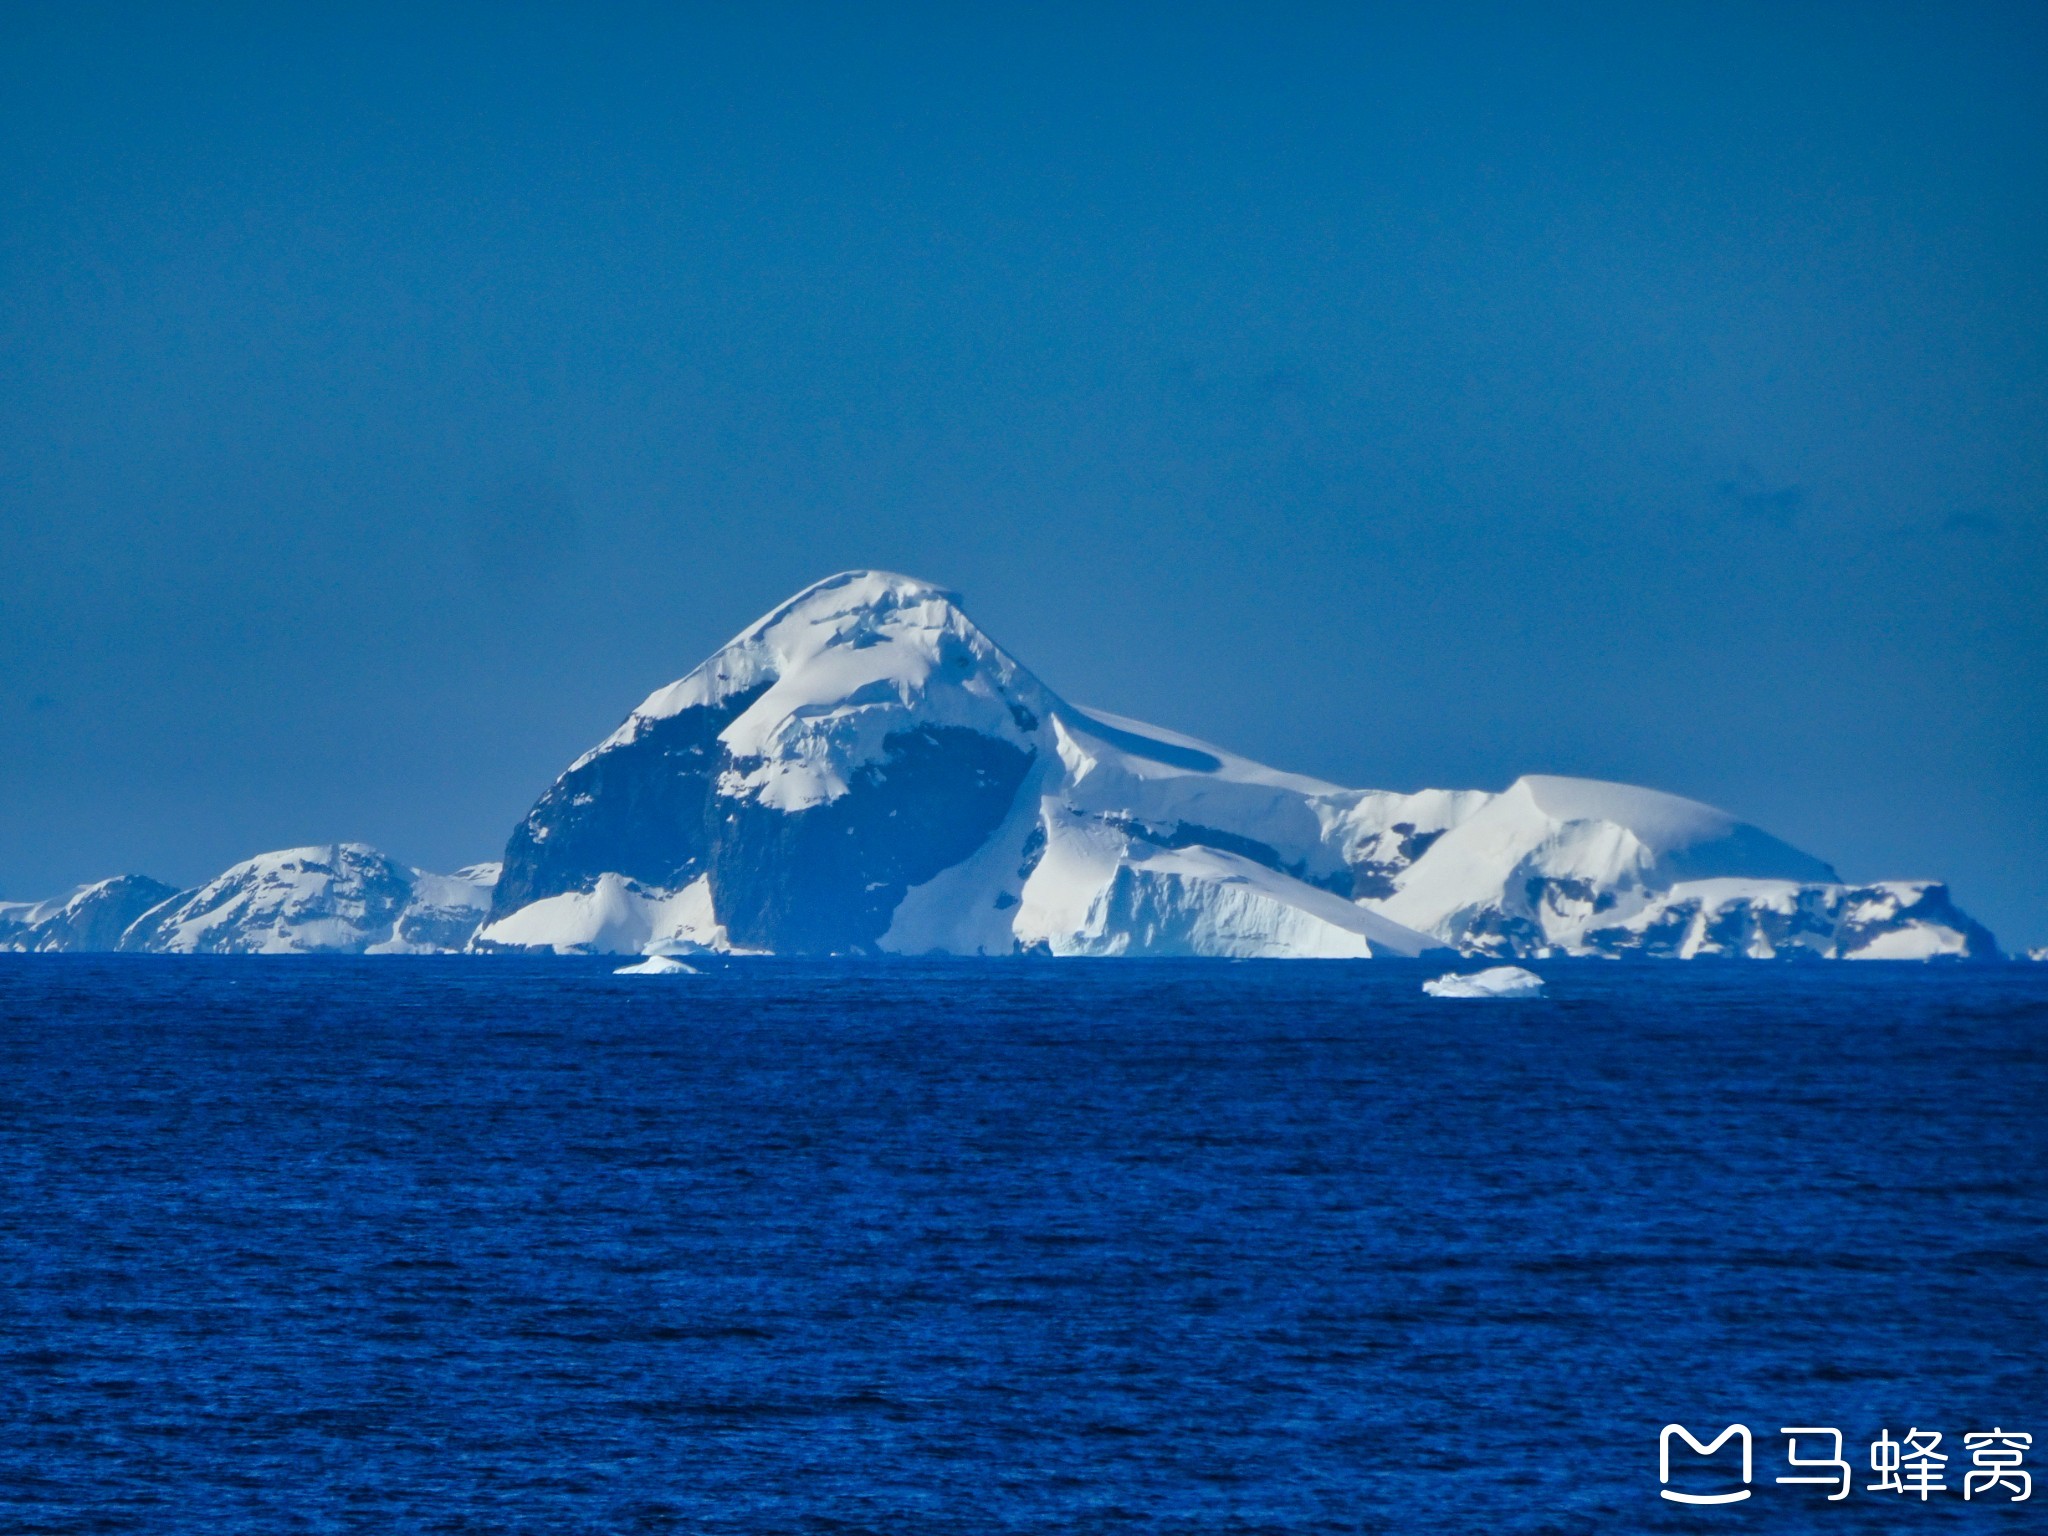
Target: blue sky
<point>389,400</point>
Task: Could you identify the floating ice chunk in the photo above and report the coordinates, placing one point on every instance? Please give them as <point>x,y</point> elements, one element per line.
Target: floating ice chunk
<point>1499,981</point>
<point>658,965</point>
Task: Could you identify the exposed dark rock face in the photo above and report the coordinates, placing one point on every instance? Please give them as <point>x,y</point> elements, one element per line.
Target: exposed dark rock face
<point>424,927</point>
<point>1501,935</point>
<point>1812,922</point>
<point>822,880</point>
<point>643,810</point>
<point>825,880</point>
<point>1871,912</point>
<point>1373,877</point>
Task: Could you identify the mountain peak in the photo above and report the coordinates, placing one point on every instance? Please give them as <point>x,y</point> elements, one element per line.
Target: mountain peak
<point>819,687</point>
<point>856,592</point>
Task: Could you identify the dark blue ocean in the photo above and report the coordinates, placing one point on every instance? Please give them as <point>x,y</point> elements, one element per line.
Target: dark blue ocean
<point>507,1246</point>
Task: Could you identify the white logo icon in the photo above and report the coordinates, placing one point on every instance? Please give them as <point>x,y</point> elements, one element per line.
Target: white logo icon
<point>1664,1463</point>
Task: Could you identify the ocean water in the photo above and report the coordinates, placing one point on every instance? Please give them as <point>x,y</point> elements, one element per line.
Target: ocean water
<point>506,1246</point>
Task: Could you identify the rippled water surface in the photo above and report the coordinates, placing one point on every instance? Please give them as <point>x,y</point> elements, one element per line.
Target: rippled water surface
<point>495,1246</point>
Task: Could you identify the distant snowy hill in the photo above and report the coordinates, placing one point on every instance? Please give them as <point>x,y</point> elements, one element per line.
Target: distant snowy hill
<point>865,771</point>
<point>341,898</point>
<point>91,917</point>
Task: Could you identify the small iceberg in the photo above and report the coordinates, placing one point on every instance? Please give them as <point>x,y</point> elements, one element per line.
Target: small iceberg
<point>658,965</point>
<point>1499,981</point>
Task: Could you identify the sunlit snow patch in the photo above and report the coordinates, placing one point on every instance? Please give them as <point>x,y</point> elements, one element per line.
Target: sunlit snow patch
<point>1497,981</point>
<point>658,965</point>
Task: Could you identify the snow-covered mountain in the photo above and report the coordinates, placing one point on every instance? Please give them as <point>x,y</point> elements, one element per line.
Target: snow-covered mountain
<point>91,917</point>
<point>340,898</point>
<point>865,771</point>
<point>1575,867</point>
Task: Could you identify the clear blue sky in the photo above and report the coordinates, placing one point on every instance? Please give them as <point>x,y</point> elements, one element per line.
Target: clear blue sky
<point>389,400</point>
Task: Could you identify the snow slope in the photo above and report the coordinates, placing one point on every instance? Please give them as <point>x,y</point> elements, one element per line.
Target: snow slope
<point>1156,845</point>
<point>1555,866</point>
<point>616,916</point>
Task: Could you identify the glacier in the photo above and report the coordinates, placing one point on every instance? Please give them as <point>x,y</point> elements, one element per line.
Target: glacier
<point>863,771</point>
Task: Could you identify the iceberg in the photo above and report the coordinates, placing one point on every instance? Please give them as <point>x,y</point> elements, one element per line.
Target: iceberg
<point>658,965</point>
<point>1495,981</point>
